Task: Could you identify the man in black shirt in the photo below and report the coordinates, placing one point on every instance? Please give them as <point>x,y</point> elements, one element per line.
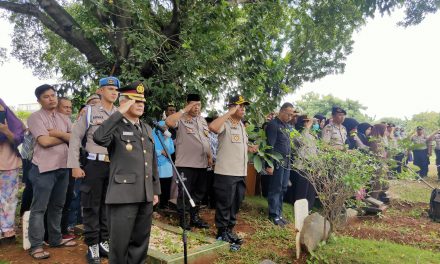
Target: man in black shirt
<point>277,132</point>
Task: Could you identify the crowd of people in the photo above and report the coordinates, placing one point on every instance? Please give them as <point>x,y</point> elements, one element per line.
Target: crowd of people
<point>109,168</point>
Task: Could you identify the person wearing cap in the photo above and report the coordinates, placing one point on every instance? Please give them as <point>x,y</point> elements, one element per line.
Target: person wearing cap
<point>421,151</point>
<point>95,173</point>
<point>278,138</point>
<point>335,133</point>
<point>436,137</point>
<point>193,157</point>
<point>93,99</point>
<point>231,168</point>
<point>134,184</point>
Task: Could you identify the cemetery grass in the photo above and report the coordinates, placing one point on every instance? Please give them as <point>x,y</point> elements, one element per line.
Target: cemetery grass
<point>402,234</point>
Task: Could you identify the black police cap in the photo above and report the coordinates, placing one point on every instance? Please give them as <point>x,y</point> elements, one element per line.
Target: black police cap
<point>193,97</point>
<point>338,110</point>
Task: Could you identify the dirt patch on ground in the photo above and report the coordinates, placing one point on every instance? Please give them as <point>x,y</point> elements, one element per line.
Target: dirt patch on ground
<point>397,226</point>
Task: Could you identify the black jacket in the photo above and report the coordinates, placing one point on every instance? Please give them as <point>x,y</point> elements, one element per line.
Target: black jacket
<point>134,176</point>
<point>278,136</point>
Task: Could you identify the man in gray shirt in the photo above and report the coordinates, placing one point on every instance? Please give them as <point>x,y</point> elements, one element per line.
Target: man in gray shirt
<point>231,168</point>
<point>193,156</point>
<point>96,170</point>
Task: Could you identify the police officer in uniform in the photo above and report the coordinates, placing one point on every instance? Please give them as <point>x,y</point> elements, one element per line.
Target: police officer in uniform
<point>421,152</point>
<point>335,133</point>
<point>231,168</point>
<point>193,156</point>
<point>96,170</point>
<point>436,137</point>
<point>134,181</point>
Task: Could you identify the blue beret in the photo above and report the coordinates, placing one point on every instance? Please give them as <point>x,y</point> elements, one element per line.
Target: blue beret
<point>109,81</point>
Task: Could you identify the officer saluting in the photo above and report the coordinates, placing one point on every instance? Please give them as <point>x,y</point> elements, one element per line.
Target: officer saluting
<point>193,155</point>
<point>231,168</point>
<point>134,181</point>
<point>335,133</point>
<point>96,171</point>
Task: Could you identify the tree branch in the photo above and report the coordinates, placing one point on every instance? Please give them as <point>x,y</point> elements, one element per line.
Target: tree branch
<point>172,30</point>
<point>33,10</point>
<point>122,22</point>
<point>61,23</point>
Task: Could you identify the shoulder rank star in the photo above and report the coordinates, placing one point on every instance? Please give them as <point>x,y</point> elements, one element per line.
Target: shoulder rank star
<point>140,88</point>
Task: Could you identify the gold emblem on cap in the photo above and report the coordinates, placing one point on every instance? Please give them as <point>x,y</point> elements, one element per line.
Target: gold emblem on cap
<point>140,88</point>
<point>240,100</point>
<point>111,81</point>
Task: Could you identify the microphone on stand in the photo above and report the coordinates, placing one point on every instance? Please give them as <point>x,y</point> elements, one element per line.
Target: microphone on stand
<point>164,131</point>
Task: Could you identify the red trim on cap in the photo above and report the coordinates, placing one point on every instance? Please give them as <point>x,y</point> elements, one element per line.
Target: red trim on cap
<point>130,91</point>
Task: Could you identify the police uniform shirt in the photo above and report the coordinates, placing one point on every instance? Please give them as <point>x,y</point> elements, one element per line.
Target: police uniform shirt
<point>421,141</point>
<point>97,116</point>
<point>192,142</point>
<point>232,152</point>
<point>335,135</point>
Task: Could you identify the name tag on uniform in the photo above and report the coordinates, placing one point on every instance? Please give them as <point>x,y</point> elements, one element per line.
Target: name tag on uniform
<point>127,133</point>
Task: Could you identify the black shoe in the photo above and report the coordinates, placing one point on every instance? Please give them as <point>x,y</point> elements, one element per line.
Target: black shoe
<point>104,249</point>
<point>284,221</point>
<point>197,222</point>
<point>222,234</point>
<point>278,222</point>
<point>234,237</point>
<point>93,254</point>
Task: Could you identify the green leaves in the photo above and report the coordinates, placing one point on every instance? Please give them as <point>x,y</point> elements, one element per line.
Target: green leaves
<point>262,50</point>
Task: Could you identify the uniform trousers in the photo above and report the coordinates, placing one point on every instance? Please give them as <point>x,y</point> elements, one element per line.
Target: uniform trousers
<point>421,160</point>
<point>229,193</point>
<point>94,211</point>
<point>130,227</point>
<point>196,183</point>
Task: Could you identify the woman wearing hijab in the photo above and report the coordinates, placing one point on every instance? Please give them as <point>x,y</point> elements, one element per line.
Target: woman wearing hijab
<point>11,135</point>
<point>319,122</point>
<point>364,131</point>
<point>354,142</point>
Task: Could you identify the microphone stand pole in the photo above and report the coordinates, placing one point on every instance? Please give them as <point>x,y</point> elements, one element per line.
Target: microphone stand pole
<point>180,180</point>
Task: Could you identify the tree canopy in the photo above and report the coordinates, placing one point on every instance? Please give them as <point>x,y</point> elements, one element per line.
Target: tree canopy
<point>261,49</point>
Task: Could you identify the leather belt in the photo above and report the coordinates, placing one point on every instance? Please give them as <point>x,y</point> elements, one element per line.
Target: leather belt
<point>98,157</point>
